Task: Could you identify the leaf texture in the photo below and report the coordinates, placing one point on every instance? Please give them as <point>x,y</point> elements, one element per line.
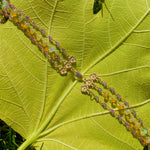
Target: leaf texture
<point>47,108</point>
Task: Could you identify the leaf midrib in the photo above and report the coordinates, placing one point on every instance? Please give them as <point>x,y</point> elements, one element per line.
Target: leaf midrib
<point>93,64</point>
<point>119,43</point>
<point>45,87</point>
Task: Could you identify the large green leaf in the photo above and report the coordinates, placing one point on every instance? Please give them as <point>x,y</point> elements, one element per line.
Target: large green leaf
<point>45,107</point>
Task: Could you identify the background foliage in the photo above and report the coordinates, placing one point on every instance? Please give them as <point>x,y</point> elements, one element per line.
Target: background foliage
<point>45,107</point>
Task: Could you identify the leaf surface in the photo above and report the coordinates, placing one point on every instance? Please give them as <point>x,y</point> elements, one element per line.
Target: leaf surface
<point>45,107</point>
